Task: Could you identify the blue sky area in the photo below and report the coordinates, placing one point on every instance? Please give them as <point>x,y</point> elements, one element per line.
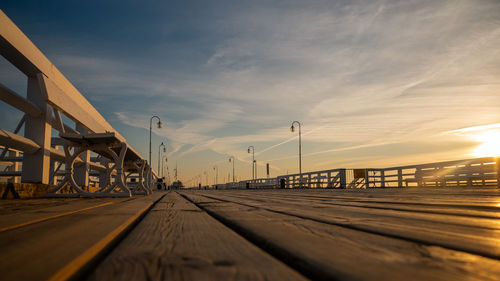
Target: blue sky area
<point>374,83</point>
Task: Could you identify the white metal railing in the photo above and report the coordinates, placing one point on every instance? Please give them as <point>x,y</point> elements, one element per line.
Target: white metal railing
<point>335,178</point>
<point>468,172</point>
<point>64,160</point>
<point>262,183</point>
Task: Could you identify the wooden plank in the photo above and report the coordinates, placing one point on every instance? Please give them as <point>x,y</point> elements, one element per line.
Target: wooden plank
<point>482,209</point>
<point>177,241</point>
<point>331,252</point>
<point>445,231</point>
<point>475,200</point>
<point>60,247</point>
<point>462,197</point>
<point>471,206</point>
<point>23,212</point>
<point>457,223</point>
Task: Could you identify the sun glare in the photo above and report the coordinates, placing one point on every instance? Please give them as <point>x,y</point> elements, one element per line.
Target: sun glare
<point>490,144</point>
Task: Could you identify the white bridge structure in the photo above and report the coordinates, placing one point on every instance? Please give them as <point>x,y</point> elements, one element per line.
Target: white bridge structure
<point>90,159</point>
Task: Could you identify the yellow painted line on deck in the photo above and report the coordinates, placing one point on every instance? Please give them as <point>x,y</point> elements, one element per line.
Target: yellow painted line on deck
<point>71,268</point>
<point>52,217</point>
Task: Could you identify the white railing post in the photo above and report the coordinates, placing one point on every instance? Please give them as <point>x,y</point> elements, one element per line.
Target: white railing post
<point>343,178</point>
<point>367,178</point>
<point>36,166</point>
<point>400,177</point>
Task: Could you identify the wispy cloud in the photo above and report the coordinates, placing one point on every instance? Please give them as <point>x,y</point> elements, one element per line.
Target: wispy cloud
<point>359,75</point>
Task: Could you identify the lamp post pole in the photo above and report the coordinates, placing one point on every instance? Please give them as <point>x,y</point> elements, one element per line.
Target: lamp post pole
<point>255,163</point>
<point>253,160</point>
<point>150,130</point>
<point>216,169</point>
<point>162,167</point>
<point>232,157</point>
<point>159,155</point>
<point>300,149</point>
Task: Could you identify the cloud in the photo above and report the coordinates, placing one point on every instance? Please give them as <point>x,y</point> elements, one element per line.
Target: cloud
<point>357,74</point>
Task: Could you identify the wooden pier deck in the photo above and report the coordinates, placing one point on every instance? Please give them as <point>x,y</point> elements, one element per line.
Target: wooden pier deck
<point>378,234</point>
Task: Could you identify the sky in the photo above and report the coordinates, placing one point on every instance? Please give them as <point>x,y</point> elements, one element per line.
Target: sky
<point>373,83</point>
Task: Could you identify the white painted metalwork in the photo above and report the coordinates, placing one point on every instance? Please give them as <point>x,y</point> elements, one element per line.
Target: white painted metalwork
<point>460,173</point>
<point>49,96</point>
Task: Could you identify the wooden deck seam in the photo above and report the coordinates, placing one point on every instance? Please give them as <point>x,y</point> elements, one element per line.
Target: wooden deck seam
<point>471,207</point>
<point>400,210</point>
<point>84,264</point>
<point>307,269</point>
<point>359,228</point>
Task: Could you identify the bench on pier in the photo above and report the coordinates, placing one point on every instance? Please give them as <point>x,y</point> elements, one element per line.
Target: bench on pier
<point>121,161</point>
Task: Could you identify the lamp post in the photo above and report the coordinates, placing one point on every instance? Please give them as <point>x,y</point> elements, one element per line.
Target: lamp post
<point>164,159</point>
<point>255,163</point>
<point>216,169</point>
<point>150,130</point>
<point>168,176</point>
<point>232,157</point>
<point>292,128</point>
<point>159,157</point>
<point>253,160</point>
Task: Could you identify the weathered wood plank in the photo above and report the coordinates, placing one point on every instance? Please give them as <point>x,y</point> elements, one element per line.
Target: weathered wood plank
<point>445,231</point>
<point>485,209</point>
<point>445,196</point>
<point>340,253</point>
<point>470,215</point>
<point>60,247</point>
<point>178,241</point>
<point>18,212</point>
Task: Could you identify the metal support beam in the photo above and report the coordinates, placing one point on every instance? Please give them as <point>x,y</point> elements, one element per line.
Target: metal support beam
<point>81,172</point>
<point>15,167</point>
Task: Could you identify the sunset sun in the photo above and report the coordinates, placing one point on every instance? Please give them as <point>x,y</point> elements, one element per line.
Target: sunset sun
<point>490,144</point>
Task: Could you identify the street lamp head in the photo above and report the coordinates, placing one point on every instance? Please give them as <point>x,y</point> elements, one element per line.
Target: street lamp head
<point>248,150</point>
<point>229,159</point>
<point>159,124</point>
<point>292,129</point>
